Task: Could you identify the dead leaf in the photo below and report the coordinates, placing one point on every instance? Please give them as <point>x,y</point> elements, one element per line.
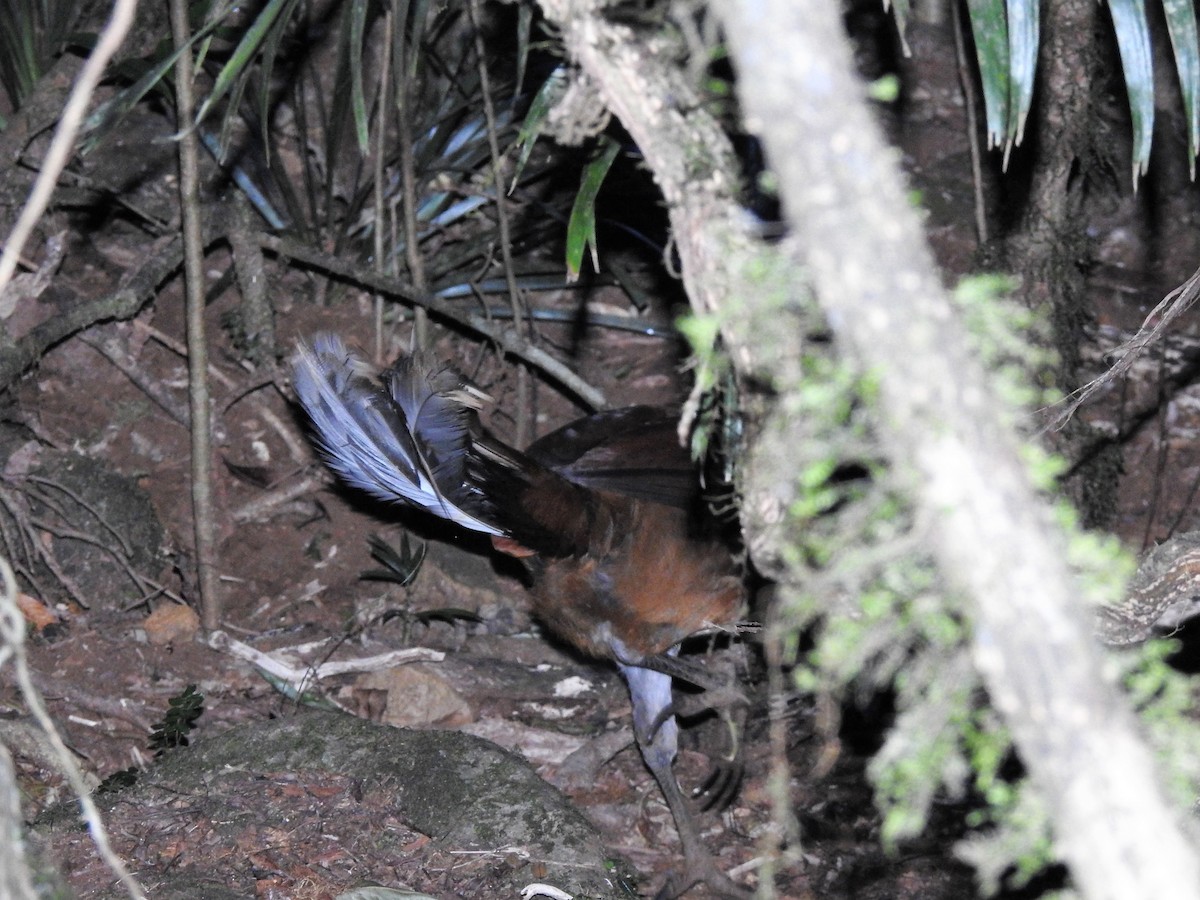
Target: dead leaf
<point>171,623</point>
<point>36,613</point>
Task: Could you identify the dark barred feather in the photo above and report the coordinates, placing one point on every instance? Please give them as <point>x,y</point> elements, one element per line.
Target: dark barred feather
<point>402,436</point>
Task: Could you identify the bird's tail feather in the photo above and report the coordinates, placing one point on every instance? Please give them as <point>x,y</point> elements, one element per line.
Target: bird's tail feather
<point>402,435</point>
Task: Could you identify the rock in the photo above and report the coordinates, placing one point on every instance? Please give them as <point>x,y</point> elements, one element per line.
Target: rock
<point>212,812</point>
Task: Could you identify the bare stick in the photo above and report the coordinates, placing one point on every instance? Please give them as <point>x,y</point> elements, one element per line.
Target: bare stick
<point>193,258</point>
<point>524,426</point>
<point>64,137</point>
<point>506,338</point>
<point>302,676</point>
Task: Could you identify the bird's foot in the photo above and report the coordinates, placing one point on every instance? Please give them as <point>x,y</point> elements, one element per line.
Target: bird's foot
<point>722,785</point>
<point>703,870</point>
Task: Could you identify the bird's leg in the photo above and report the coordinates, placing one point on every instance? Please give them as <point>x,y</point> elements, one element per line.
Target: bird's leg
<point>718,691</point>
<point>658,739</point>
<point>721,697</point>
<point>729,766</point>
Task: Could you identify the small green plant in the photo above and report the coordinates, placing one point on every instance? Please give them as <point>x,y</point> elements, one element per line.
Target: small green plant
<point>399,566</point>
<point>183,711</point>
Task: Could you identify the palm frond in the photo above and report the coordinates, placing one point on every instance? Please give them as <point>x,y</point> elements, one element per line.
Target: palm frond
<point>32,35</point>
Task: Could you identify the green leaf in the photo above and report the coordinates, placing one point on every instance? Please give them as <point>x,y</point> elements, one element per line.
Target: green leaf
<point>1133,40</point>
<point>266,66</point>
<point>232,117</point>
<point>524,31</point>
<point>358,100</point>
<point>450,615</point>
<point>701,332</point>
<point>399,566</point>
<point>310,698</point>
<point>183,711</point>
<point>1006,44</point>
<point>548,95</point>
<point>581,229</point>
<point>243,55</point>
<point>1022,66</point>
<point>885,89</point>
<point>1181,23</point>
<point>901,10</point>
<point>106,116</point>
<point>989,25</point>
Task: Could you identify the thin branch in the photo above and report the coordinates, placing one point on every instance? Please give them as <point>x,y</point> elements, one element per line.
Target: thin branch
<point>136,290</point>
<point>12,645</point>
<point>967,83</point>
<point>257,311</point>
<point>506,338</point>
<point>193,261</point>
<point>258,508</point>
<point>36,550</point>
<point>408,180</point>
<point>79,501</point>
<point>151,387</point>
<point>381,139</point>
<point>122,709</point>
<point>514,295</point>
<point>63,144</point>
<point>303,677</point>
<point>298,448</point>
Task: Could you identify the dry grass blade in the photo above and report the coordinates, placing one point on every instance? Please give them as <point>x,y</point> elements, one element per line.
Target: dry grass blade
<point>1170,308</point>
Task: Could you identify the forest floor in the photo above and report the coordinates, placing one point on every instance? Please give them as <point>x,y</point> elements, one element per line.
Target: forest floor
<point>291,576</point>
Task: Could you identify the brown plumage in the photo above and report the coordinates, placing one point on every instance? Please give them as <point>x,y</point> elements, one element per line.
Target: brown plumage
<point>605,513</point>
<point>642,584</point>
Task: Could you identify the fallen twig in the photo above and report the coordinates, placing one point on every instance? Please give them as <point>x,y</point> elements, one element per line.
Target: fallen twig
<point>299,676</point>
<point>508,339</point>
